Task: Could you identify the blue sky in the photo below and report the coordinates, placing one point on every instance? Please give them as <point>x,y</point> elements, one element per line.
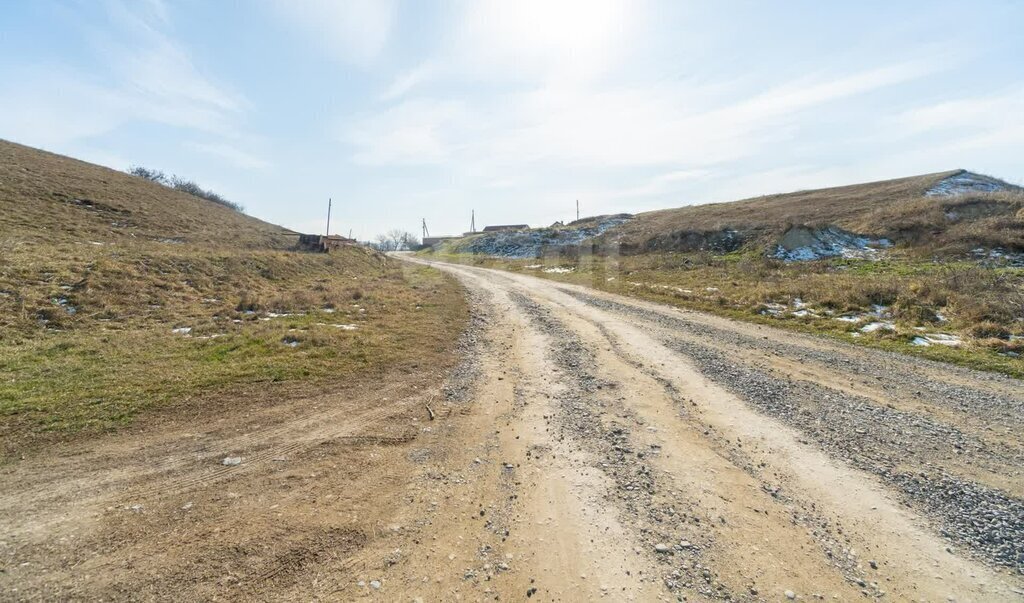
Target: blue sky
<point>410,110</point>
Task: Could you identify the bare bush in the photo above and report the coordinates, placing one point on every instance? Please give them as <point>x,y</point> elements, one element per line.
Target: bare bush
<point>396,239</point>
<point>151,175</point>
<point>183,185</point>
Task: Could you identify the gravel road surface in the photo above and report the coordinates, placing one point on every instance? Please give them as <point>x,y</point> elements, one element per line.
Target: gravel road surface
<point>588,447</point>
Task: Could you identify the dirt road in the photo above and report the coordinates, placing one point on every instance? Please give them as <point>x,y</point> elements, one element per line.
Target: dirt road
<point>589,447</point>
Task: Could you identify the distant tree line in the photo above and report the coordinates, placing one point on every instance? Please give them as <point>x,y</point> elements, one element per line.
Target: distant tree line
<point>180,184</point>
<point>396,239</point>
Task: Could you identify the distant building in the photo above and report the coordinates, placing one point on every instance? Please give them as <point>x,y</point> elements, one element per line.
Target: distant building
<point>501,227</point>
<point>431,241</point>
<point>322,244</point>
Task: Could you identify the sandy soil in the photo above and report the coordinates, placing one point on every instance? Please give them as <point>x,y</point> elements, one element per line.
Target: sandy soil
<point>585,450</point>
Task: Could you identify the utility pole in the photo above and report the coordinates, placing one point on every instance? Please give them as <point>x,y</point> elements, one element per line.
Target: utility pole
<point>472,220</point>
<point>328,216</point>
<point>577,210</point>
<point>350,233</point>
<point>426,233</point>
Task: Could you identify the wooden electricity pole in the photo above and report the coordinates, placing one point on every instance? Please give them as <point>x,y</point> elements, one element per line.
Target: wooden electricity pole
<point>577,210</point>
<point>426,233</point>
<point>328,216</point>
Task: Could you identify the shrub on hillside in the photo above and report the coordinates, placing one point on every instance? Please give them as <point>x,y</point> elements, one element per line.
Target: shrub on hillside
<point>183,185</point>
<point>151,175</point>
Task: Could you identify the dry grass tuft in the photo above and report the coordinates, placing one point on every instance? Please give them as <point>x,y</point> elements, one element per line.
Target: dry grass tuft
<point>895,209</point>
<point>149,299</point>
<point>984,306</point>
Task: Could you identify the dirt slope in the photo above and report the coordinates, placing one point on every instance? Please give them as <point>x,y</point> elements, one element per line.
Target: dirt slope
<point>589,447</point>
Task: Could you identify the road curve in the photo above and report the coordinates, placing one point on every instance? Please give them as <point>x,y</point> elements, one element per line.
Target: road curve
<point>588,447</point>
<point>646,453</point>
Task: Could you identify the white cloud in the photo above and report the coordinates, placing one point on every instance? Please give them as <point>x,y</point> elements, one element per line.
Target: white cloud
<point>577,125</point>
<point>978,121</point>
<point>154,74</point>
<point>353,31</point>
<point>662,184</point>
<point>163,70</point>
<point>414,132</point>
<point>809,92</point>
<point>744,184</point>
<point>982,132</point>
<point>408,80</point>
<point>50,108</point>
<point>148,77</point>
<point>232,154</point>
<point>568,39</point>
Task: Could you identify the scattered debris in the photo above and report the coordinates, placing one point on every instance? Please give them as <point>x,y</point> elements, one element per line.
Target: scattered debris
<point>65,303</point>
<point>998,256</point>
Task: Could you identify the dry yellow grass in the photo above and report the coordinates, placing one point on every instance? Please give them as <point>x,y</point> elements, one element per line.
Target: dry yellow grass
<point>896,209</point>
<point>96,298</point>
<point>983,306</point>
<point>716,258</point>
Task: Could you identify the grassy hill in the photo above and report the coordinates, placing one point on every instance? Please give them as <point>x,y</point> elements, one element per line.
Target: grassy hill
<point>947,213</point>
<point>119,295</point>
<point>55,199</point>
<point>951,211</point>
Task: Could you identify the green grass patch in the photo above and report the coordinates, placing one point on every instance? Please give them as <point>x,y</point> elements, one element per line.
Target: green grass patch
<point>318,319</point>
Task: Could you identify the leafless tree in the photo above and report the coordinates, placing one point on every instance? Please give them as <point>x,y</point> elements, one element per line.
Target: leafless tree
<point>382,243</point>
<point>396,239</point>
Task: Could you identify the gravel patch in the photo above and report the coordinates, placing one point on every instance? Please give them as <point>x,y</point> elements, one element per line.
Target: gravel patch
<point>894,445</point>
<point>914,377</point>
<point>905,449</point>
<point>458,387</point>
